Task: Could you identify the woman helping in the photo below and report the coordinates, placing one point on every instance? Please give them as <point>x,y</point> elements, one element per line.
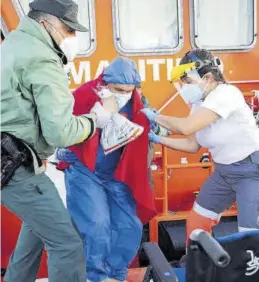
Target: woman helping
<point>221,121</point>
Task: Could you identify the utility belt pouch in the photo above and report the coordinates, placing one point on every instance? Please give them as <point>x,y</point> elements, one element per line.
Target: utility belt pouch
<point>14,153</point>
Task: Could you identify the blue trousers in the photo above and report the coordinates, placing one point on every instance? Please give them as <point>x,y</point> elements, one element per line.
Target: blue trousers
<point>229,183</point>
<point>105,214</point>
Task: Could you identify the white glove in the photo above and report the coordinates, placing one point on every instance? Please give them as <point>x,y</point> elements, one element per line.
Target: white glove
<point>102,116</point>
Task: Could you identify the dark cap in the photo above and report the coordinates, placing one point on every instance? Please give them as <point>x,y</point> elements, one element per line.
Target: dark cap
<point>65,10</point>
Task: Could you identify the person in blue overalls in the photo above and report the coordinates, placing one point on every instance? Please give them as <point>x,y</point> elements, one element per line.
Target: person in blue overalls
<point>102,190</point>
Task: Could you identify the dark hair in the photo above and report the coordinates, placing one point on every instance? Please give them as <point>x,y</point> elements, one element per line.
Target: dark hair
<point>39,15</point>
<point>205,56</point>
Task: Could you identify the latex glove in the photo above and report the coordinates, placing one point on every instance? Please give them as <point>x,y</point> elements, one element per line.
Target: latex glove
<point>154,138</point>
<point>159,130</point>
<point>150,114</point>
<point>154,126</point>
<point>102,116</point>
<point>66,155</point>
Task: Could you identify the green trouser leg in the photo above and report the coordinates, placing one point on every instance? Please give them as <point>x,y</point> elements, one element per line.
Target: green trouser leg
<point>27,256</point>
<point>35,199</point>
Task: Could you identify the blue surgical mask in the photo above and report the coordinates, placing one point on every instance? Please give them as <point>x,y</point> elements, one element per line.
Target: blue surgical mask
<point>192,93</point>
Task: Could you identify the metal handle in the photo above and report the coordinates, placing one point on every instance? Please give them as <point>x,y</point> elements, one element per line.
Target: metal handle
<point>161,270</point>
<point>213,249</point>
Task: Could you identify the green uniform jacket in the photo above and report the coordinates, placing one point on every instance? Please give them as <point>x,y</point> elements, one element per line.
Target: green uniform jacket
<point>36,104</point>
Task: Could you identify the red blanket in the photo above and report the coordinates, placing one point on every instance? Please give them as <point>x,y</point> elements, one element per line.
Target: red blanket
<point>132,168</point>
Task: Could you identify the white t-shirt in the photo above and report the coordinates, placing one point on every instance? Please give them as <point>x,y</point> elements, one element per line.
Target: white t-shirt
<point>234,136</point>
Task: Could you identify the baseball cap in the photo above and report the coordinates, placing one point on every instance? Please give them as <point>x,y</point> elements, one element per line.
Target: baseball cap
<point>65,10</point>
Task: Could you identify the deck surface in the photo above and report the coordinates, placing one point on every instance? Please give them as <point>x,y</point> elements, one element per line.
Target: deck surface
<point>135,275</point>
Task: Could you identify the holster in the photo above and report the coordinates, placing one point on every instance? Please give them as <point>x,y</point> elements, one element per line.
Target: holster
<point>15,153</point>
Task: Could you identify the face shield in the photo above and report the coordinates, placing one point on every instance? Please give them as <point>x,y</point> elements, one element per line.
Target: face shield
<point>188,82</point>
<point>177,74</point>
<point>181,71</point>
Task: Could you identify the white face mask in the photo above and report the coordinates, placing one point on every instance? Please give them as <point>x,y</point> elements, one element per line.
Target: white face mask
<point>191,93</point>
<point>69,46</point>
<point>122,98</point>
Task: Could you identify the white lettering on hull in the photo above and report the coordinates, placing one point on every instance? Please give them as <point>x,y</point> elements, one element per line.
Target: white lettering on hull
<point>84,72</point>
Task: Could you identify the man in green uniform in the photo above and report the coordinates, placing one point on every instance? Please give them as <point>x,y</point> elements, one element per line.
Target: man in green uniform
<point>36,117</point>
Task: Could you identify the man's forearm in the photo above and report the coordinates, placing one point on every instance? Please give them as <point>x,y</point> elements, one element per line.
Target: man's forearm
<point>77,130</point>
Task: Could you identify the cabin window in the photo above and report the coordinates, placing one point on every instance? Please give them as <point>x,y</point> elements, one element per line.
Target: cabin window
<point>147,26</point>
<point>86,16</point>
<point>223,25</point>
